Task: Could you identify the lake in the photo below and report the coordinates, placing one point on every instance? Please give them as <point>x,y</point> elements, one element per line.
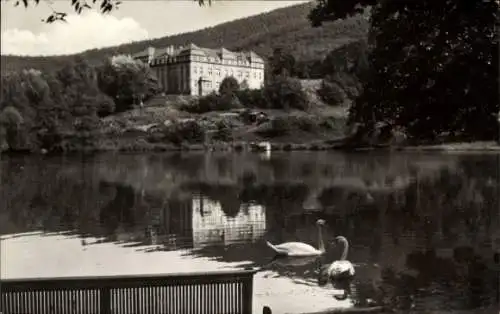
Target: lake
<point>422,228</point>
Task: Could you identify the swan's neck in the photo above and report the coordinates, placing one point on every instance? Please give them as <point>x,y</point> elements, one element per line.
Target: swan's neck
<point>321,244</point>
<point>346,249</point>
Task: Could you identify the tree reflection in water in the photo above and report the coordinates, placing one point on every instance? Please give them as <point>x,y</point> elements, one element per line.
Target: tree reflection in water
<point>422,227</point>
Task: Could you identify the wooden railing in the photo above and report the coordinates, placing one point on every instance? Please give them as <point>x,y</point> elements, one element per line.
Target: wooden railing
<point>204,293</point>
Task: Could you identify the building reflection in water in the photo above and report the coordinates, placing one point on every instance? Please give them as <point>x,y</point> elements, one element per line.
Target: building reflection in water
<point>171,225</point>
<point>211,226</point>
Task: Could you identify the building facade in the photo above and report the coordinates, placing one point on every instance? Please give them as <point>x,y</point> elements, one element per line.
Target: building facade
<point>194,70</point>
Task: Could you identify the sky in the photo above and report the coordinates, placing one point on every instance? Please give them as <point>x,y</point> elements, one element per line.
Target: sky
<point>24,33</point>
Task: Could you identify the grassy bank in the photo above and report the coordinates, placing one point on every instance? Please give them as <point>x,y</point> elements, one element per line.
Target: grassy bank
<point>169,123</point>
<point>167,128</point>
<point>140,145</point>
<point>165,125</point>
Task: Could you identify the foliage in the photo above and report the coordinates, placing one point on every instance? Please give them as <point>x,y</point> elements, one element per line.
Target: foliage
<point>105,6</point>
<point>309,69</point>
<point>433,65</point>
<point>127,81</point>
<point>279,126</point>
<point>287,27</point>
<point>331,93</point>
<point>281,62</point>
<point>60,110</point>
<point>244,85</point>
<point>10,124</point>
<point>279,93</point>
<point>285,93</point>
<point>228,86</point>
<point>252,98</point>
<point>286,125</point>
<point>223,131</point>
<point>214,102</point>
<point>188,131</point>
<point>227,102</point>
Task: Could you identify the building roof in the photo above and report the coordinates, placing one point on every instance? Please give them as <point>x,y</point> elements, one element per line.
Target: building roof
<point>218,54</point>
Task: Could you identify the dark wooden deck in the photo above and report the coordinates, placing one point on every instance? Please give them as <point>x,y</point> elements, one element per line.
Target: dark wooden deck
<point>194,293</point>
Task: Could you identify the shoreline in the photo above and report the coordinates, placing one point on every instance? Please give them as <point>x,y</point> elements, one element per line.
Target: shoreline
<point>147,147</point>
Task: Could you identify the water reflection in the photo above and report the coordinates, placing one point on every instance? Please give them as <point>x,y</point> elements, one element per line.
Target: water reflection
<point>422,228</point>
<point>211,226</point>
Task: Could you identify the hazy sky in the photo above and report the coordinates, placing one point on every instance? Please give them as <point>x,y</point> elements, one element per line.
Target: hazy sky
<point>23,32</point>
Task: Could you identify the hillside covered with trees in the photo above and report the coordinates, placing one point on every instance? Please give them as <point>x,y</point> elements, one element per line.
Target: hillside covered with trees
<point>287,27</point>
<point>425,72</point>
<point>90,101</point>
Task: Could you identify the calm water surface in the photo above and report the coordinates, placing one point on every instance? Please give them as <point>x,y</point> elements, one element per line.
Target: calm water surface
<point>423,228</point>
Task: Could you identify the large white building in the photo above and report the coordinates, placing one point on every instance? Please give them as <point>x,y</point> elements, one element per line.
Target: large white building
<point>194,70</point>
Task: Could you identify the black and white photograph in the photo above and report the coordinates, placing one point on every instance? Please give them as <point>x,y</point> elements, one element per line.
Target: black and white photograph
<point>250,157</point>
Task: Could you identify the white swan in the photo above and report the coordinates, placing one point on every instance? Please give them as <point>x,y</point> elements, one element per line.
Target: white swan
<point>341,269</point>
<point>299,248</point>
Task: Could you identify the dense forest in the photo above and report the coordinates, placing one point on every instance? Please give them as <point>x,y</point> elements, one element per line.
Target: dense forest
<point>56,110</point>
<point>288,28</point>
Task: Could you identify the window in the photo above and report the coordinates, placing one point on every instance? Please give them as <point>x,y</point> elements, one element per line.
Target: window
<point>194,69</point>
<point>254,75</point>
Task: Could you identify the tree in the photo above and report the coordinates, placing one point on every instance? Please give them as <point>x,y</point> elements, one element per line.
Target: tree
<point>433,65</point>
<point>331,93</point>
<point>10,123</point>
<point>244,85</point>
<point>228,86</point>
<point>286,93</point>
<point>126,81</point>
<point>78,6</point>
<point>282,62</point>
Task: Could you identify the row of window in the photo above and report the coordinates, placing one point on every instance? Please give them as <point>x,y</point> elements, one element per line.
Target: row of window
<point>205,84</point>
<point>230,72</point>
<point>165,60</point>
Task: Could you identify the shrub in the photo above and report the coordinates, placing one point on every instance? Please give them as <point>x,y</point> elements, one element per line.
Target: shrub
<point>307,124</point>
<point>229,85</point>
<point>213,102</point>
<point>189,131</point>
<point>224,132</point>
<point>227,102</point>
<point>279,126</point>
<point>286,93</point>
<point>254,98</point>
<point>206,103</point>
<point>331,93</point>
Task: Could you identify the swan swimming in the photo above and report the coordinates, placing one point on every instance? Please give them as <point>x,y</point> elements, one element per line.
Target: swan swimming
<point>342,268</point>
<point>299,248</point>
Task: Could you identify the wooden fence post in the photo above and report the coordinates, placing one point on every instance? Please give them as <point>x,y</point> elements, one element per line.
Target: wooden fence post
<point>248,295</point>
<point>105,300</point>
